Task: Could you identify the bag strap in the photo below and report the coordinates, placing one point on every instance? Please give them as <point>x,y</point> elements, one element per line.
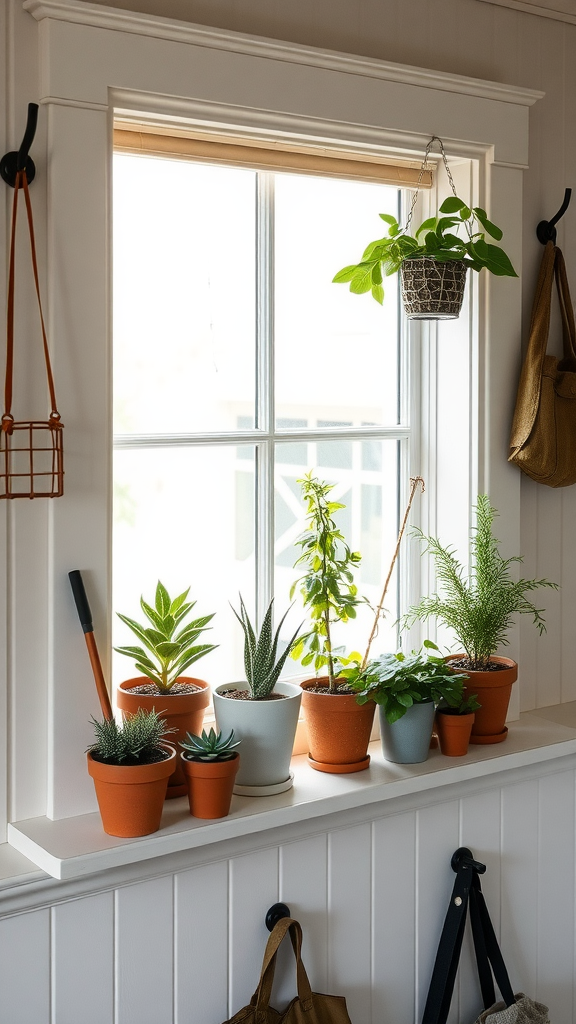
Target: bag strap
<point>567,313</point>
<point>487,950</point>
<point>261,997</point>
<point>7,418</point>
<point>446,963</point>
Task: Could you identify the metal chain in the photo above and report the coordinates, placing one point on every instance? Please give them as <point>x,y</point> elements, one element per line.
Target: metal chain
<point>423,168</point>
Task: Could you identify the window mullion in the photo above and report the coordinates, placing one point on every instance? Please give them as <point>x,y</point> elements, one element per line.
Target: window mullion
<point>265,413</point>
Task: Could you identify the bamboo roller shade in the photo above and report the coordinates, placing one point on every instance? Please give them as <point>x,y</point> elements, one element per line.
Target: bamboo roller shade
<point>268,156</point>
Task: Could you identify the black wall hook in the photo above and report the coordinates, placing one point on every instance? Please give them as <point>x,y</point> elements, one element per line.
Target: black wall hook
<point>546,231</point>
<point>464,856</point>
<point>275,914</point>
<point>13,162</point>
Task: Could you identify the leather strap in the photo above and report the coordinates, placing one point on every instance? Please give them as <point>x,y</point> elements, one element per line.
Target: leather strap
<point>7,418</point>
<point>567,313</point>
<point>488,953</point>
<point>261,997</point>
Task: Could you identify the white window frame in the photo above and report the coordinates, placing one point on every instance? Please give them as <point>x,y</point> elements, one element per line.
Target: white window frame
<point>129,64</point>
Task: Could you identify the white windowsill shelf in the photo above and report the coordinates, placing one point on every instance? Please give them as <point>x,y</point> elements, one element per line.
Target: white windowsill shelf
<point>73,847</point>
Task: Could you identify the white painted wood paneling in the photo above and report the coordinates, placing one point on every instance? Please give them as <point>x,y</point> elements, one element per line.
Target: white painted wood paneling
<point>304,888</point>
<point>144,953</point>
<point>519,875</point>
<point>201,953</point>
<point>556,894</point>
<point>253,889</point>
<point>393,918</point>
<point>83,960</point>
<point>350,918</point>
<point>25,968</point>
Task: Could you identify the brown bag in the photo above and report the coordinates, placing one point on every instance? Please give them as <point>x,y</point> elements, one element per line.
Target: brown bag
<point>307,1007</point>
<point>543,439</point>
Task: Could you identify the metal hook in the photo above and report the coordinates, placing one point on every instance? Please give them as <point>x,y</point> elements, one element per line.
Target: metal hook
<point>275,914</point>
<point>464,856</point>
<point>546,231</point>
<point>13,162</point>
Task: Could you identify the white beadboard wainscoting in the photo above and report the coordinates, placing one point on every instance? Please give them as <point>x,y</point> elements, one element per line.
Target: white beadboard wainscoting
<point>179,939</point>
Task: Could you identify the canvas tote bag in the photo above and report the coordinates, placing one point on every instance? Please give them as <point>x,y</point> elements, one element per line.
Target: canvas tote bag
<point>307,1007</point>
<point>513,1008</point>
<point>543,439</point>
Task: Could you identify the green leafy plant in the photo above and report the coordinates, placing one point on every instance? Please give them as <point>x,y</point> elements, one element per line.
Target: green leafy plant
<point>327,586</point>
<point>436,238</point>
<point>210,746</point>
<point>397,681</point>
<point>466,706</point>
<point>261,664</point>
<point>135,741</point>
<point>173,649</point>
<point>478,606</point>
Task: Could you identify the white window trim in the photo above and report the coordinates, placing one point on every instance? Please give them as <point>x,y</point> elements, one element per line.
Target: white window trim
<point>129,64</point>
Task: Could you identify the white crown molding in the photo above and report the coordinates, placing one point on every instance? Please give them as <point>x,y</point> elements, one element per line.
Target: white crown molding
<point>78,12</point>
<point>539,11</point>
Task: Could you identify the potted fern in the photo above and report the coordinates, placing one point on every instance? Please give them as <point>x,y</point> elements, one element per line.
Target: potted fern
<point>130,764</point>
<point>338,727</point>
<point>210,763</point>
<point>479,608</point>
<point>262,712</point>
<point>168,646</point>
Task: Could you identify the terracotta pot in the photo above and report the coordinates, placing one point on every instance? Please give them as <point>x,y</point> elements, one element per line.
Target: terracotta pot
<point>454,733</point>
<point>183,711</point>
<point>131,797</point>
<point>210,785</point>
<point>338,729</point>
<point>493,690</point>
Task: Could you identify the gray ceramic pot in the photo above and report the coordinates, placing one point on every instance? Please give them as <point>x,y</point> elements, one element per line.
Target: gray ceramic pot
<point>407,741</point>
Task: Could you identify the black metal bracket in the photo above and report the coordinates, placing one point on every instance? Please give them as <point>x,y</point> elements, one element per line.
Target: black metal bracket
<point>464,856</point>
<point>275,914</point>
<point>546,230</point>
<point>13,162</point>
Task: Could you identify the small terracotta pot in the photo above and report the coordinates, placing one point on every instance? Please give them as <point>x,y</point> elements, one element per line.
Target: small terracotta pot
<point>131,797</point>
<point>210,786</point>
<point>184,711</point>
<point>338,729</point>
<point>454,733</point>
<point>493,690</point>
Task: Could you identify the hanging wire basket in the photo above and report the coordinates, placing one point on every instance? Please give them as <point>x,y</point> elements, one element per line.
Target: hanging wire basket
<point>432,290</point>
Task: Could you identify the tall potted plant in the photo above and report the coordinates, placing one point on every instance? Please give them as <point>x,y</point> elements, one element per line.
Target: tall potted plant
<point>479,607</point>
<point>262,712</point>
<point>169,648</point>
<point>338,728</point>
<point>406,688</point>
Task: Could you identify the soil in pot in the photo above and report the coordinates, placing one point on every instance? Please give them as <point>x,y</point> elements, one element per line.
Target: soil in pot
<point>131,797</point>
<point>338,728</point>
<point>183,708</point>
<point>454,732</point>
<point>210,785</point>
<point>493,688</point>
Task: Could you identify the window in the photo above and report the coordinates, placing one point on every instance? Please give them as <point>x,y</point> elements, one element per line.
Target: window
<point>238,366</point>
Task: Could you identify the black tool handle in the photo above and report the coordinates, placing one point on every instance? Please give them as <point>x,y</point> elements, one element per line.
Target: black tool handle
<point>82,606</point>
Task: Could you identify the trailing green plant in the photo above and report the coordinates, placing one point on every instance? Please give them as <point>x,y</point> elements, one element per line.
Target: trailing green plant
<point>261,663</point>
<point>397,681</point>
<point>327,586</point>
<point>466,706</point>
<point>136,740</point>
<point>435,239</point>
<point>174,649</point>
<point>477,606</point>
<point>210,746</point>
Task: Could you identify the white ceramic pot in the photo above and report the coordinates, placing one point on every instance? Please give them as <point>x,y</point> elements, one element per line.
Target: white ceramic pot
<point>266,729</point>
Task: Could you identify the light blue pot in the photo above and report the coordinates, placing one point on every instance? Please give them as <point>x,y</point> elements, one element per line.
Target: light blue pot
<point>407,741</point>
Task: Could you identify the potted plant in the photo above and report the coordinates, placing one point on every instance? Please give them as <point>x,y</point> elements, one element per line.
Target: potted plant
<point>479,607</point>
<point>130,766</point>
<point>433,261</point>
<point>338,727</point>
<point>262,712</point>
<point>210,764</point>
<point>406,688</point>
<point>169,648</point>
<point>454,725</point>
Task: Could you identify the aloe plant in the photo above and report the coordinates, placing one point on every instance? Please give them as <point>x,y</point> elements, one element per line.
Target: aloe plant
<point>210,746</point>
<point>261,665</point>
<point>173,650</point>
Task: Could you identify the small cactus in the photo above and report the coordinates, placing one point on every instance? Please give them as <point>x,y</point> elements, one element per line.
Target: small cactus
<point>209,746</point>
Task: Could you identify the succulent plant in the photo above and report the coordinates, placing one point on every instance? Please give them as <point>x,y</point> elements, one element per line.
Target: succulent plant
<point>136,740</point>
<point>209,746</point>
<point>173,651</point>
<point>260,663</point>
